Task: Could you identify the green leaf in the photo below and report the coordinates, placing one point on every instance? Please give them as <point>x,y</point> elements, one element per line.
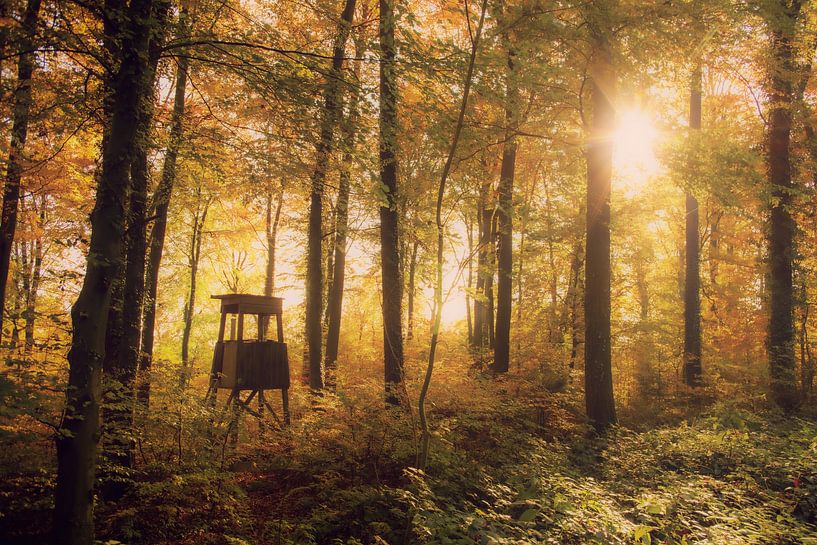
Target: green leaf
<point>529,515</point>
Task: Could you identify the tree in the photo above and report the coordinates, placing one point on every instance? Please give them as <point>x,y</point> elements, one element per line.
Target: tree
<point>330,114</point>
<point>339,241</point>
<point>122,368</point>
<point>438,219</point>
<point>782,19</point>
<point>598,375</point>
<point>202,204</point>
<point>504,212</point>
<point>692,280</point>
<point>389,217</point>
<point>79,431</point>
<point>160,207</point>
<point>19,133</point>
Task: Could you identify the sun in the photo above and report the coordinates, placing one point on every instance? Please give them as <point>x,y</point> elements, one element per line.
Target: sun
<point>634,160</point>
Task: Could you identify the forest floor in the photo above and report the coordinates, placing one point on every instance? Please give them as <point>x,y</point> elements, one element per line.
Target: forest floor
<point>511,463</point>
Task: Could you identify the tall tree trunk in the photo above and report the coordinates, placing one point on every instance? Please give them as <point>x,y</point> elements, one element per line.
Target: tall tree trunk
<point>781,224</point>
<point>504,212</point>
<point>30,313</point>
<point>79,430</point>
<point>21,259</point>
<point>339,241</point>
<point>483,302</point>
<point>161,204</point>
<point>470,280</point>
<point>118,405</point>
<point>412,289</point>
<point>692,283</point>
<point>333,103</point>
<point>422,458</point>
<point>598,374</point>
<point>575,307</point>
<point>273,221</point>
<point>389,215</point>
<point>19,132</point>
<point>199,219</point>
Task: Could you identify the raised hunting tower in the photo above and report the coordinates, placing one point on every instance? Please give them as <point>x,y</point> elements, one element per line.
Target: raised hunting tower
<point>252,364</point>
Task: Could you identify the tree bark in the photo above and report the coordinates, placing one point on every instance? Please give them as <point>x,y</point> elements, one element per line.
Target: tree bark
<point>389,216</point>
<point>199,219</point>
<point>483,302</point>
<point>412,289</point>
<point>335,296</point>
<point>333,103</point>
<point>692,283</point>
<point>79,430</point>
<point>30,313</point>
<point>161,204</point>
<point>599,151</point>
<point>273,221</point>
<point>19,132</point>
<point>422,458</point>
<point>504,213</point>
<point>781,224</point>
<point>118,446</point>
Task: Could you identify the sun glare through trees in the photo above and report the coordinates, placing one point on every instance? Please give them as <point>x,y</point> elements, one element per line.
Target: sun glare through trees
<point>357,272</point>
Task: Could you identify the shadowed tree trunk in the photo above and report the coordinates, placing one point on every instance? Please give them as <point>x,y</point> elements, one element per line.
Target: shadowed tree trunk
<point>32,292</point>
<point>333,103</point>
<point>389,217</point>
<point>118,445</point>
<point>194,258</point>
<point>160,206</point>
<point>79,430</point>
<point>692,284</point>
<point>504,213</point>
<point>598,375</point>
<point>334,303</point>
<point>483,302</point>
<point>19,132</point>
<point>782,20</point>
<point>412,290</point>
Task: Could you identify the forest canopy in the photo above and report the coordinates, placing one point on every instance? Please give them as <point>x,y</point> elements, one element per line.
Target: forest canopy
<point>355,272</point>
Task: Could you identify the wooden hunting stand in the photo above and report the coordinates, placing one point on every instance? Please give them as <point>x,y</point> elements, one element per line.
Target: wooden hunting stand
<point>250,365</point>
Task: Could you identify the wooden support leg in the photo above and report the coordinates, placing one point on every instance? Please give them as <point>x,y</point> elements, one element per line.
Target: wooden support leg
<point>285,402</point>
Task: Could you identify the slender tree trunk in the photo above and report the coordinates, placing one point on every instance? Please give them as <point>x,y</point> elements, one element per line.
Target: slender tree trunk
<point>18,280</point>
<point>19,133</point>
<point>161,204</point>
<point>504,213</point>
<point>335,298</point>
<point>575,307</point>
<point>597,355</point>
<point>79,430</point>
<point>333,104</point>
<point>199,219</point>
<point>781,224</point>
<point>483,303</point>
<point>425,440</point>
<point>389,215</point>
<point>34,287</point>
<point>554,332</point>
<point>468,314</point>
<point>692,284</point>
<point>412,288</point>
<point>273,221</point>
